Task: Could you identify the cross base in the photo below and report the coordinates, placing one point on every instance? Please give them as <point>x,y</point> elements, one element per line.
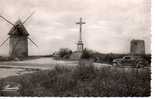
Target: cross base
<point>80,46</point>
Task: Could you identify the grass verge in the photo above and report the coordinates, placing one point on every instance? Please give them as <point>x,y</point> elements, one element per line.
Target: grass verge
<point>83,80</point>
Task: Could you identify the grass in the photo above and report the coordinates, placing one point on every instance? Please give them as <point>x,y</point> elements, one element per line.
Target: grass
<point>84,80</point>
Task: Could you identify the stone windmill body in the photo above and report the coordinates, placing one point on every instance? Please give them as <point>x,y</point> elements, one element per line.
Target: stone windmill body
<point>18,39</point>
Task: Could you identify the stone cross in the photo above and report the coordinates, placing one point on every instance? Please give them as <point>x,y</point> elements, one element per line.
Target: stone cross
<point>80,23</point>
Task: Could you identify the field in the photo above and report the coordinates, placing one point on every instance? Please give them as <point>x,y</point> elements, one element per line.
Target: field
<point>83,78</point>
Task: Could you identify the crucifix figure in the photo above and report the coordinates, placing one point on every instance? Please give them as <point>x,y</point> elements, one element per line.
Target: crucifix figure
<point>80,43</point>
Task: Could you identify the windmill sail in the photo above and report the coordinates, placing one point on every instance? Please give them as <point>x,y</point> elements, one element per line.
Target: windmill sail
<point>33,42</point>
<point>7,20</point>
<point>4,42</point>
<point>28,17</point>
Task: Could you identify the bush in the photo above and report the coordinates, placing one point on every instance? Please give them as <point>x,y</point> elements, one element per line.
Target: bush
<point>65,53</point>
<point>85,80</point>
<point>86,54</point>
<point>85,71</point>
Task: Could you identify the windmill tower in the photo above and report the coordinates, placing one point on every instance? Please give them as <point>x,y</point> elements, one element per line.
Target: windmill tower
<point>80,44</point>
<point>18,39</point>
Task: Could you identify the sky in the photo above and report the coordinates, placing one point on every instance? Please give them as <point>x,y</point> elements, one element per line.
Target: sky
<point>109,28</point>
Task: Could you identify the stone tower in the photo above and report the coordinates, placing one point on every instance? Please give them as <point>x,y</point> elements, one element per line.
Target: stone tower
<point>137,47</point>
<point>18,36</point>
<point>18,43</point>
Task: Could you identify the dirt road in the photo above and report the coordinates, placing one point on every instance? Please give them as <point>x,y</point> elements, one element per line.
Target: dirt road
<point>12,68</point>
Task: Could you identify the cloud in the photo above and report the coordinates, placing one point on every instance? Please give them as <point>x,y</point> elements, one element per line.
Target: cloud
<point>109,27</point>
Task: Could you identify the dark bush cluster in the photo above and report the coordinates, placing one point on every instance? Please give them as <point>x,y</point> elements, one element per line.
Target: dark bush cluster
<point>85,80</point>
<point>109,57</point>
<point>63,53</point>
<point>86,54</point>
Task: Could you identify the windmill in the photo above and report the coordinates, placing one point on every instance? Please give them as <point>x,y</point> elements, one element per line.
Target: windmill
<point>18,38</point>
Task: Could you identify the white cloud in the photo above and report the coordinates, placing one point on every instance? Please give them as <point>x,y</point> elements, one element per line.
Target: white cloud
<point>109,27</point>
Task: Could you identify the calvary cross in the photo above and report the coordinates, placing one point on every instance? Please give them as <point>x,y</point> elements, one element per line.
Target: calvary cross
<point>80,43</point>
<point>80,23</point>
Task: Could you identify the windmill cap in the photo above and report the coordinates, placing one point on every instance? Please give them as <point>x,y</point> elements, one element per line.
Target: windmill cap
<point>137,40</point>
<point>18,29</point>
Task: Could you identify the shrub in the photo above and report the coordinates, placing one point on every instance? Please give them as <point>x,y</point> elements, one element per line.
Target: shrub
<point>85,80</point>
<point>86,54</point>
<point>85,71</point>
<point>65,53</point>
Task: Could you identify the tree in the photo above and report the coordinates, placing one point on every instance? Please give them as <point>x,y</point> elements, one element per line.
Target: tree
<point>65,52</point>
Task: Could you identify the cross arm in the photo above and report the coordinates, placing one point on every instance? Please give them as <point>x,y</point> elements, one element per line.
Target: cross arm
<point>80,23</point>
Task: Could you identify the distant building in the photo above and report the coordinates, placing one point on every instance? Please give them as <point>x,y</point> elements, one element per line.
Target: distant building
<point>137,47</point>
